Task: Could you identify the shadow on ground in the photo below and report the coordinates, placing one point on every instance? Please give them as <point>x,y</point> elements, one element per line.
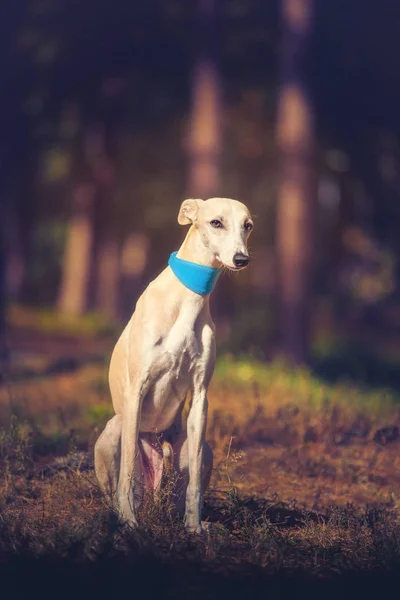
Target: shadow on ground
<point>360,365</point>
<point>219,511</point>
<point>122,577</point>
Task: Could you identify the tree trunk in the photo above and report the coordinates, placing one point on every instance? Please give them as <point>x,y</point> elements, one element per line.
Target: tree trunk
<point>134,260</point>
<point>4,208</point>
<point>107,255</point>
<point>76,269</point>
<point>15,269</point>
<point>204,136</point>
<point>296,204</point>
<point>92,195</point>
<point>108,278</point>
<point>204,133</point>
<point>3,347</point>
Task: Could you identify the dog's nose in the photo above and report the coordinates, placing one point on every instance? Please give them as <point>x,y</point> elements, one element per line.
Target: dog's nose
<point>240,260</point>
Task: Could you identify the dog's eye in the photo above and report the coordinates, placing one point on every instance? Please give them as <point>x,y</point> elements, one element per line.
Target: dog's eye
<point>215,223</point>
<point>248,226</point>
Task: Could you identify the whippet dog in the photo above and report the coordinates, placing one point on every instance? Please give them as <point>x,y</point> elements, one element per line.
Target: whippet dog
<point>167,349</point>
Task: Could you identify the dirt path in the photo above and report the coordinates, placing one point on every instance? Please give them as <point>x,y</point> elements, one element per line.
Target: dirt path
<point>56,346</point>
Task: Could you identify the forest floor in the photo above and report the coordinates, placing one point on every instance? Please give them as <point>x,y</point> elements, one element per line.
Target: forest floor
<point>304,497</point>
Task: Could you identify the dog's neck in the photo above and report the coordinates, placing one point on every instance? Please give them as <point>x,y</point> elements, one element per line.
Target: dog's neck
<point>195,266</point>
<point>194,250</point>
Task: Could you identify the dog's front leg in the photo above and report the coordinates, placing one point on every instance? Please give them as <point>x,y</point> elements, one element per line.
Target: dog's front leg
<point>196,430</point>
<point>133,399</point>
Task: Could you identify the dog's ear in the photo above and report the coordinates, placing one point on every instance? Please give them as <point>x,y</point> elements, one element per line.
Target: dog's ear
<point>188,211</point>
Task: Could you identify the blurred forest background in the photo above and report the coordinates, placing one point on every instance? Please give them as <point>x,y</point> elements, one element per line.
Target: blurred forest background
<point>113,112</point>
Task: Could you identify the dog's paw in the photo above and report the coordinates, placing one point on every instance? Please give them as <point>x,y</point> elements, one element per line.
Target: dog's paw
<point>201,528</point>
<point>128,521</point>
<point>197,529</point>
<point>127,517</point>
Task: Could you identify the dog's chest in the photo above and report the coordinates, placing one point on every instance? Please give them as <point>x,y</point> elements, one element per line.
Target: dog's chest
<point>180,354</point>
<point>182,341</point>
<point>189,338</point>
<point>183,355</point>
<point>187,349</point>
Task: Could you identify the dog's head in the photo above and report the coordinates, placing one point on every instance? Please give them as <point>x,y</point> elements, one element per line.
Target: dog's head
<point>224,226</point>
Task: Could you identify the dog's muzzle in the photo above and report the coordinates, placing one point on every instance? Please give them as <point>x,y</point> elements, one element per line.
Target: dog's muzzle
<point>240,260</point>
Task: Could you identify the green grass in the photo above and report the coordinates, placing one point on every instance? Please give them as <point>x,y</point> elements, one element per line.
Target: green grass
<point>300,385</point>
<point>99,414</point>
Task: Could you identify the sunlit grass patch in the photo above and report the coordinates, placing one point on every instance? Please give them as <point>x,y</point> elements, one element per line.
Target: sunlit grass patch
<point>283,383</point>
<point>99,414</point>
<point>253,401</point>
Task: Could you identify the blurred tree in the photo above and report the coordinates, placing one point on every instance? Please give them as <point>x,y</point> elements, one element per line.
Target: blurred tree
<point>107,259</point>
<point>296,202</point>
<point>204,136</point>
<point>108,277</point>
<point>2,299</point>
<point>56,52</point>
<point>73,294</point>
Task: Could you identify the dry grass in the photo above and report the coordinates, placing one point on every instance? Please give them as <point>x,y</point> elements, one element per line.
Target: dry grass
<point>302,486</point>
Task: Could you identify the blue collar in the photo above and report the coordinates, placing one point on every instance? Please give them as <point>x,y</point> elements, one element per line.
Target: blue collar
<point>198,278</point>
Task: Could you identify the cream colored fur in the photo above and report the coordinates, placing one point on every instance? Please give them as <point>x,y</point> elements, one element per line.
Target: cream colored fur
<point>166,350</point>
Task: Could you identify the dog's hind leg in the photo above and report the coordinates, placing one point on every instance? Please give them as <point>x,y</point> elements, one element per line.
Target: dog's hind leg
<point>107,457</point>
